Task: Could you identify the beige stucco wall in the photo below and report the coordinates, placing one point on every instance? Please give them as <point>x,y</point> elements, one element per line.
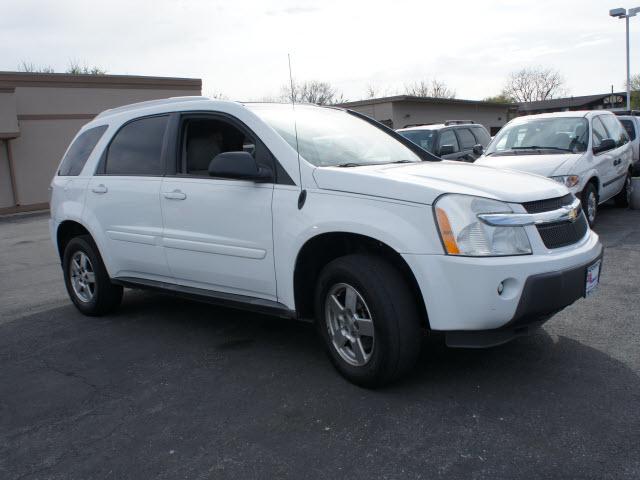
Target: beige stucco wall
<point>8,115</point>
<point>403,113</point>
<point>409,113</point>
<point>380,111</point>
<point>6,192</point>
<point>37,153</point>
<point>48,111</point>
<point>50,100</point>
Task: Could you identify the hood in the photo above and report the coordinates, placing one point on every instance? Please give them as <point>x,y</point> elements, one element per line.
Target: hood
<point>423,182</point>
<point>545,165</point>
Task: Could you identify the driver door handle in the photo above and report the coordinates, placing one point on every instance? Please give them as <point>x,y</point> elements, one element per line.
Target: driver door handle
<point>99,189</point>
<point>175,195</point>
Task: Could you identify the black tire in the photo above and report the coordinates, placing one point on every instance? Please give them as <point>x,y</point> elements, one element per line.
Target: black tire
<point>586,199</point>
<point>105,296</point>
<point>623,197</point>
<point>394,312</point>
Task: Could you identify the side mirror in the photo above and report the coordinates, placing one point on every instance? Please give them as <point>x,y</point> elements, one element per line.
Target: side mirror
<point>478,149</point>
<point>446,150</point>
<point>240,166</point>
<point>606,144</point>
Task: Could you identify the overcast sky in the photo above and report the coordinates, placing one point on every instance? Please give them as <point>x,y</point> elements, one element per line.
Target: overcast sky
<point>239,48</point>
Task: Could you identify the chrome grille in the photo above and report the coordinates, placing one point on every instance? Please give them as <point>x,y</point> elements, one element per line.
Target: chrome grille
<point>549,204</point>
<point>562,234</point>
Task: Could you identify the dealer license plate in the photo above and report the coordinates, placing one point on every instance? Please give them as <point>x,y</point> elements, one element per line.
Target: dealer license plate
<point>593,278</point>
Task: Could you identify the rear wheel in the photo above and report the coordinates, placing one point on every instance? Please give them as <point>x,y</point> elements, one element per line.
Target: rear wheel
<point>590,203</point>
<point>623,199</point>
<point>87,280</point>
<point>368,319</point>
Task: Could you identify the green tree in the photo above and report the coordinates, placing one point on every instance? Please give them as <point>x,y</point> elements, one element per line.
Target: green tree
<point>500,98</point>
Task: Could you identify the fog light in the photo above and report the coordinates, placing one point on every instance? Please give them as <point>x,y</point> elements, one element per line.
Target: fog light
<point>500,288</point>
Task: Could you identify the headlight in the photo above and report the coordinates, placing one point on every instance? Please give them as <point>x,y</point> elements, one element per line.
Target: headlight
<point>567,180</point>
<point>462,233</point>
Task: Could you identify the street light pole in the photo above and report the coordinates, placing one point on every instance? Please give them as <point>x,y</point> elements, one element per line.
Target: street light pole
<point>626,14</point>
<point>628,68</point>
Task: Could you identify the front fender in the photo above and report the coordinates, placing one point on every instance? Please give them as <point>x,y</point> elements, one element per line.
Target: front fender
<point>408,228</point>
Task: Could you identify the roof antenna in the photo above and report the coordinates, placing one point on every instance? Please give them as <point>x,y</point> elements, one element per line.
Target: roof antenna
<point>303,193</point>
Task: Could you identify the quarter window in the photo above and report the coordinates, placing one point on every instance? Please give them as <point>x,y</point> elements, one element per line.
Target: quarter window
<point>137,148</point>
<point>599,132</point>
<point>447,137</point>
<point>628,126</point>
<point>78,154</point>
<point>482,136</point>
<point>467,140</point>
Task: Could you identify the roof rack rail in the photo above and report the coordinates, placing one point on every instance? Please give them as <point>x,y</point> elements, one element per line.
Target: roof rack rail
<point>458,122</point>
<point>150,103</point>
<point>410,125</point>
<point>634,113</point>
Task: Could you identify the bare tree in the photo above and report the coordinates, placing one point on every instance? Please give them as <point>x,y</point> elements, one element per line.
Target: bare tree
<point>215,95</point>
<point>312,91</point>
<point>434,89</point>
<point>532,84</point>
<point>372,91</point>
<point>30,67</point>
<point>75,68</point>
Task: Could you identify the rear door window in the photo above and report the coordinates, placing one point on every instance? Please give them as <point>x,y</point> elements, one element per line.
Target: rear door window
<point>137,148</point>
<point>467,140</point>
<point>618,134</point>
<point>447,137</point>
<point>80,150</point>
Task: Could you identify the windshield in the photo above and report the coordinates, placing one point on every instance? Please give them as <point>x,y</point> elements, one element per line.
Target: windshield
<point>422,138</point>
<point>329,137</point>
<point>544,135</point>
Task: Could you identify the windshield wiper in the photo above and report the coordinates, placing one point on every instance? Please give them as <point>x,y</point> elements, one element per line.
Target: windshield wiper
<point>349,164</point>
<point>402,161</point>
<point>535,147</point>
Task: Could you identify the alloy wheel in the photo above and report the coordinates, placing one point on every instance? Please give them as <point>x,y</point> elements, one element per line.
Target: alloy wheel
<point>349,324</point>
<point>83,277</point>
<point>592,205</point>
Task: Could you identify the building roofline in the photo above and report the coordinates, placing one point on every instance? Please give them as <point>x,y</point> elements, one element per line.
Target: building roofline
<point>565,102</point>
<point>28,79</point>
<point>411,98</point>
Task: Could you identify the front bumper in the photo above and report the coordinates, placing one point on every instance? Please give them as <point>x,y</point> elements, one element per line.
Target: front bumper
<point>543,296</point>
<point>461,293</point>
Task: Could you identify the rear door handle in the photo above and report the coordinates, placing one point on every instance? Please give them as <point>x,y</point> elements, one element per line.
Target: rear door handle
<point>175,195</point>
<point>99,189</point>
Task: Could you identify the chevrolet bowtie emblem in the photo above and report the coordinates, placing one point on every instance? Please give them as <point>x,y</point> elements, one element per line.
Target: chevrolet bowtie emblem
<point>573,213</point>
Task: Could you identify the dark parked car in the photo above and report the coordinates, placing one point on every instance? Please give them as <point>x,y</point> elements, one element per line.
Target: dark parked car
<point>461,140</point>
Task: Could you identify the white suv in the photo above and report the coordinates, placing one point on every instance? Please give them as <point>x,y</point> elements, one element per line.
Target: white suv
<point>315,213</point>
<point>587,151</point>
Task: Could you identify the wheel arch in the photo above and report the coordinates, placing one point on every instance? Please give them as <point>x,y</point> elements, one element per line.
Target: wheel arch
<point>319,250</point>
<point>67,230</point>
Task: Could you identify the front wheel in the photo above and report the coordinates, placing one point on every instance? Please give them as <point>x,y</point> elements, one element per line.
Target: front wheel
<point>590,203</point>
<point>368,319</point>
<point>87,280</point>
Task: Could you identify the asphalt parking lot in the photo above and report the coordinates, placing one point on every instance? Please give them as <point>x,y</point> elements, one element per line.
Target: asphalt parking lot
<point>165,388</point>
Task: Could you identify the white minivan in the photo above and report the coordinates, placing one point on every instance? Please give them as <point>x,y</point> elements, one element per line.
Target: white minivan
<point>317,214</point>
<point>587,151</point>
